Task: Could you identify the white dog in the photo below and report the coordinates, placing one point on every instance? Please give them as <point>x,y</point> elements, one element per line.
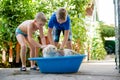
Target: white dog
<point>69,52</point>
<point>52,51</point>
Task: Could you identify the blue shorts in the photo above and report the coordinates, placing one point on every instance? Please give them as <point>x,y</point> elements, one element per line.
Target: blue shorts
<point>56,35</point>
<point>18,31</point>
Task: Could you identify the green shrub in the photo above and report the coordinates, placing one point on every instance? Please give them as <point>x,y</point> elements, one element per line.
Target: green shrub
<point>98,51</point>
<point>107,30</point>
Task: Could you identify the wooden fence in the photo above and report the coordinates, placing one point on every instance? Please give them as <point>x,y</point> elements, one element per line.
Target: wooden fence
<point>17,51</point>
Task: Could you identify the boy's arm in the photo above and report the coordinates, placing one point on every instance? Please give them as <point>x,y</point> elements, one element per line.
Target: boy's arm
<point>42,37</point>
<point>50,35</point>
<point>66,34</point>
<point>30,38</point>
<point>65,39</point>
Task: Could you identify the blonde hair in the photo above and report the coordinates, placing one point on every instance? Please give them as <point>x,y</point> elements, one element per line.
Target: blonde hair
<point>61,13</point>
<point>41,16</point>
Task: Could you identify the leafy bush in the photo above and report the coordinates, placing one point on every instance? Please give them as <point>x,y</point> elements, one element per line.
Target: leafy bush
<point>79,35</point>
<point>13,12</point>
<point>107,30</point>
<point>98,52</point>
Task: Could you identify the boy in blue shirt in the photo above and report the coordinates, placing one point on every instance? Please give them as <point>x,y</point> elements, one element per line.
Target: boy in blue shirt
<point>60,22</point>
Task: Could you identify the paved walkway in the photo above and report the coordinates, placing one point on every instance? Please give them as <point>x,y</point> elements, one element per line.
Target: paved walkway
<point>93,70</point>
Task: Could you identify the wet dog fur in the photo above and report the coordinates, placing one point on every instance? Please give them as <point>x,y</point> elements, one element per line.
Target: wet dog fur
<point>52,51</point>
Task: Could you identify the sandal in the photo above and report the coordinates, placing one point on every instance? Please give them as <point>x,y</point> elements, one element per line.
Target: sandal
<point>34,68</point>
<point>23,69</point>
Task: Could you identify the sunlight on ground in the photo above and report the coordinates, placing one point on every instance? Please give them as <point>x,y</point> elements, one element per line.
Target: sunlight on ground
<point>102,63</point>
<point>1,68</point>
<point>109,60</point>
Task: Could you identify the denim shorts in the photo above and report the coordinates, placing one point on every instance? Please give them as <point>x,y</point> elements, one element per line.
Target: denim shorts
<point>56,34</point>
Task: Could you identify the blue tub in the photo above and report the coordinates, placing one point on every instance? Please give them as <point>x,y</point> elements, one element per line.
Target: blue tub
<point>63,64</point>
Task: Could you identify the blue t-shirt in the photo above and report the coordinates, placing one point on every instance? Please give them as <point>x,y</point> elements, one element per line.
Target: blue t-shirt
<point>53,23</point>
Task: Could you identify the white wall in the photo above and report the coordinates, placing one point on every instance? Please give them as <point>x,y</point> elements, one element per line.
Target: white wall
<point>106,11</point>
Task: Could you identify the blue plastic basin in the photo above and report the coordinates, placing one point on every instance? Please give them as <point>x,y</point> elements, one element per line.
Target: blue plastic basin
<point>63,64</point>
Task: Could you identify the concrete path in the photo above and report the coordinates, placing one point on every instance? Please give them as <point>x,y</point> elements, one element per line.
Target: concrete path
<point>93,70</point>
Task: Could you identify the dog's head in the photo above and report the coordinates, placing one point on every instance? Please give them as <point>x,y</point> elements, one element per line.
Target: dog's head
<point>49,51</point>
<point>51,48</point>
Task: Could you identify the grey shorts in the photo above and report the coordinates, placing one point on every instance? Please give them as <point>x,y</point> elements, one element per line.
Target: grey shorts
<point>56,34</point>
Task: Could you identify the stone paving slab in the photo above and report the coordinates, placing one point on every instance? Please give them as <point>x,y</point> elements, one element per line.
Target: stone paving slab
<point>87,71</point>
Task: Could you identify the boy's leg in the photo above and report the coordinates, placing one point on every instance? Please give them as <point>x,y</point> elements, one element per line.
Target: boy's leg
<point>69,42</point>
<point>21,40</point>
<point>32,53</point>
<point>56,35</point>
<point>36,52</point>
